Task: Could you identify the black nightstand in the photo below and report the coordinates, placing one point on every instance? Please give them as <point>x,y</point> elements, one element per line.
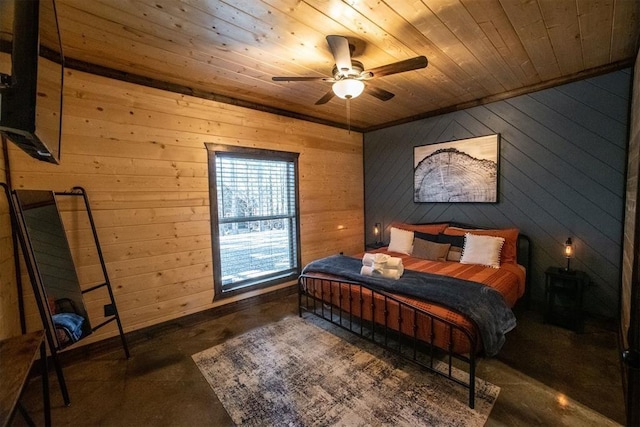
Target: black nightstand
<point>563,295</point>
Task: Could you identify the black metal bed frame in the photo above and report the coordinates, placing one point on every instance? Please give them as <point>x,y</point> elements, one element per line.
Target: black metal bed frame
<point>312,299</point>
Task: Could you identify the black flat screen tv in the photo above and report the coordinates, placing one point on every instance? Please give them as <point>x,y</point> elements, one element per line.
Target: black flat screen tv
<point>31,77</point>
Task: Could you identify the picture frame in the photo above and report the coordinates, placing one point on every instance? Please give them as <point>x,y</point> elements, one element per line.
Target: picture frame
<point>460,171</point>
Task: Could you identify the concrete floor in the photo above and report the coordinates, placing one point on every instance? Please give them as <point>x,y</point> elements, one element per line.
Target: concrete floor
<point>548,375</point>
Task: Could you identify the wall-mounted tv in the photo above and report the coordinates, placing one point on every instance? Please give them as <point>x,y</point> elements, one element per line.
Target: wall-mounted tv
<point>31,77</point>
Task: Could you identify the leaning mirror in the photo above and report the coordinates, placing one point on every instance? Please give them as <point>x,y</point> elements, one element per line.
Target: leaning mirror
<point>55,271</point>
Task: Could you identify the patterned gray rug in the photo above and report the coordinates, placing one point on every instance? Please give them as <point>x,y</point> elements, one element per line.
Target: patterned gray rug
<point>306,372</point>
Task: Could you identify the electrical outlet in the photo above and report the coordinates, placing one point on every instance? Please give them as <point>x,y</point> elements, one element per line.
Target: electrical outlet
<point>109,310</point>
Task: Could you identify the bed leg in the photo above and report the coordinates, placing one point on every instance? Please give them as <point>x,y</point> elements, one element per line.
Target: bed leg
<point>472,382</point>
<point>299,298</point>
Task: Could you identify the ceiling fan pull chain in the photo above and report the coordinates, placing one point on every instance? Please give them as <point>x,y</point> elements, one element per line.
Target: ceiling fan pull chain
<point>349,115</point>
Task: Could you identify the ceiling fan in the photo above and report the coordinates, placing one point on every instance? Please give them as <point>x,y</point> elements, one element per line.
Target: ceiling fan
<point>349,75</point>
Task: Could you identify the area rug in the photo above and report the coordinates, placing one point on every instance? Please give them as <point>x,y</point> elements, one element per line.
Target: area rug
<point>307,372</point>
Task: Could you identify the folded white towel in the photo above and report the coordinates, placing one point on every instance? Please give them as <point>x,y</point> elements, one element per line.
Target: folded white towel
<point>368,259</point>
<point>389,273</point>
<point>379,266</point>
<point>383,264</point>
<point>380,258</point>
<point>393,262</point>
<point>367,270</point>
<point>392,273</point>
<point>376,260</point>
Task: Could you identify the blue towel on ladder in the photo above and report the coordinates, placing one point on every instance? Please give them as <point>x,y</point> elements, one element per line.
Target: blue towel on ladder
<point>71,323</point>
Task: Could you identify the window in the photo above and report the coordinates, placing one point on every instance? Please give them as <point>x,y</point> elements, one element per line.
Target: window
<point>254,218</point>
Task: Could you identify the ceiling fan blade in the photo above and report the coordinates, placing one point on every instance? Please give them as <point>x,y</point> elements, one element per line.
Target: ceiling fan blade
<point>339,46</point>
<point>381,94</point>
<point>302,79</point>
<point>399,67</point>
<point>326,98</point>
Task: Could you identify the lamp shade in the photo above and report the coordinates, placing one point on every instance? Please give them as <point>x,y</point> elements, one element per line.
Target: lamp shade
<point>348,88</point>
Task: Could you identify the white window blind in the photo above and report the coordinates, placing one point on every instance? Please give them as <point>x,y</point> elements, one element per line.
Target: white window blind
<point>256,218</point>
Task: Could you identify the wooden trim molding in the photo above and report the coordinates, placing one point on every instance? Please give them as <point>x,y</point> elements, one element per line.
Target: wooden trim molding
<point>185,90</point>
<point>593,72</point>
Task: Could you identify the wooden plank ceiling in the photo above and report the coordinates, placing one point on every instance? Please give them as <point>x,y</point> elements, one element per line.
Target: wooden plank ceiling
<point>478,50</point>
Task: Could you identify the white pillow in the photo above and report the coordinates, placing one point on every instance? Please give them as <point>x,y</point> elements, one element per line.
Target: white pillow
<point>483,250</point>
<point>401,241</point>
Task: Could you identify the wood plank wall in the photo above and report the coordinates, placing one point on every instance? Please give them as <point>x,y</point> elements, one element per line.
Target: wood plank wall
<point>562,173</point>
<point>140,155</point>
<point>9,318</point>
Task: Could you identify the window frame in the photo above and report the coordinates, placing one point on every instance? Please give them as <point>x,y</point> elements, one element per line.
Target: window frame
<point>215,150</point>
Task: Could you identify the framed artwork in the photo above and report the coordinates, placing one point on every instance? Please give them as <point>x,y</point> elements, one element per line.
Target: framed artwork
<point>462,171</point>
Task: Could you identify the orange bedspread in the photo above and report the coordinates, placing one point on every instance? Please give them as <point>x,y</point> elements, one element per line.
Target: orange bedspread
<point>509,280</point>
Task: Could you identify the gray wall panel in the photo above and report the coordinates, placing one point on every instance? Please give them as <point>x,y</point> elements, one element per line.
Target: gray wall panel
<point>569,134</point>
<point>596,121</point>
<point>562,173</point>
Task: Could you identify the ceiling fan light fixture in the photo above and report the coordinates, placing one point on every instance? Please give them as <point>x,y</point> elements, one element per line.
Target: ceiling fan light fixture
<point>348,88</point>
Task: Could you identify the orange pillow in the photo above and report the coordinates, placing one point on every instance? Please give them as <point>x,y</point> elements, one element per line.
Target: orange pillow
<point>510,235</point>
<point>422,228</point>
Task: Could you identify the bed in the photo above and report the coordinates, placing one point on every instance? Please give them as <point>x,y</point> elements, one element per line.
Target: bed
<point>409,316</point>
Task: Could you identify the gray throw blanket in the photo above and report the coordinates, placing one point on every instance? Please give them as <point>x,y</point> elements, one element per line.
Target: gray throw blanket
<point>484,305</point>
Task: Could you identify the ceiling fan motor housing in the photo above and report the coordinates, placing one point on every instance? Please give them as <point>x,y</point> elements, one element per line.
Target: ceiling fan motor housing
<point>356,71</point>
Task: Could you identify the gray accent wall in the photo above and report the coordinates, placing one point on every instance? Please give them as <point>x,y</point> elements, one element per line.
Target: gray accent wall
<point>562,173</point>
<point>629,290</point>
